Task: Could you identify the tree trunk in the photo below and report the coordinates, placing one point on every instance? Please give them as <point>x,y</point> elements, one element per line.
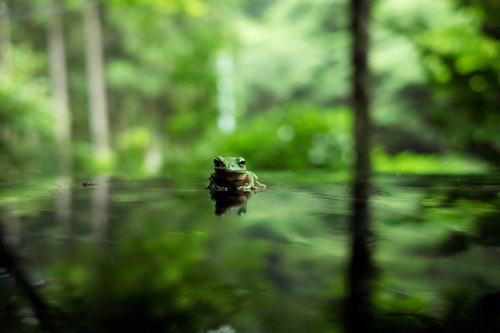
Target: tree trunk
<point>98,112</point>
<point>57,55</point>
<point>358,304</point>
<point>225,92</point>
<point>5,62</point>
<point>62,116</point>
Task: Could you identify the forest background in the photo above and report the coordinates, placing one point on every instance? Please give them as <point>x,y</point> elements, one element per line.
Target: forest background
<point>146,86</point>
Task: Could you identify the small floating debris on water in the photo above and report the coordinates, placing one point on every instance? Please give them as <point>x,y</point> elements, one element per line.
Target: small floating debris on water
<point>88,184</point>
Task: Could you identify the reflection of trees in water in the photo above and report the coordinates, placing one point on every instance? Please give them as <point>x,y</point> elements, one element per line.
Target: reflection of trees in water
<point>464,310</point>
<point>467,210</point>
<point>63,205</point>
<point>99,207</point>
<point>194,266</point>
<point>10,262</point>
<point>471,206</point>
<point>358,308</point>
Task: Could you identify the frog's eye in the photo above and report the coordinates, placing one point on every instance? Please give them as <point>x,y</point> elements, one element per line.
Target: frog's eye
<point>242,162</point>
<point>217,162</point>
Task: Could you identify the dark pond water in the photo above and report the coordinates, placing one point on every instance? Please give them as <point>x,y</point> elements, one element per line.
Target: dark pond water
<point>160,255</point>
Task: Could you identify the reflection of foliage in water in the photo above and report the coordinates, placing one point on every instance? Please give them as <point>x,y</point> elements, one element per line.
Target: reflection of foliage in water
<point>152,280</point>
<point>272,269</point>
<point>169,270</point>
<point>456,235</point>
<point>471,211</point>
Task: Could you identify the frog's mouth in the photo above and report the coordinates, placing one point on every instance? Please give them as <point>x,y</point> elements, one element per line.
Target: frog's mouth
<point>232,176</point>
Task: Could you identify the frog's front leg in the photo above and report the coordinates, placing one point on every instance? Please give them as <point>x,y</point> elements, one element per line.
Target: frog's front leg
<point>252,181</point>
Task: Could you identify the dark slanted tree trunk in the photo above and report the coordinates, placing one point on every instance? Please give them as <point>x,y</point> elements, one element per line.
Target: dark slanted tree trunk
<point>98,109</point>
<point>358,308</point>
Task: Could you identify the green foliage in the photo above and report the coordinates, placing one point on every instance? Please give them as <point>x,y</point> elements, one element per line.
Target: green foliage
<point>435,67</point>
<point>295,30</point>
<point>26,143</point>
<point>461,57</point>
<point>296,137</point>
<point>298,52</point>
<point>132,150</point>
<point>163,75</point>
<point>189,7</point>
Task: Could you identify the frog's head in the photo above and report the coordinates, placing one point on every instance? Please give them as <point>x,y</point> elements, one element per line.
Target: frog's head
<point>230,164</point>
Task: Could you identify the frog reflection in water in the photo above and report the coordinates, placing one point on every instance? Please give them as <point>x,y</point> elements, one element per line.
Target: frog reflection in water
<point>232,173</point>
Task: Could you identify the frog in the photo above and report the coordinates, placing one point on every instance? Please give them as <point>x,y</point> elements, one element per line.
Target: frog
<point>231,173</point>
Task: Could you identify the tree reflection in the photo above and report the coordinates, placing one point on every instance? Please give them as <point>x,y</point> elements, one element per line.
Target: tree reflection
<point>9,261</point>
<point>358,304</point>
<point>99,207</point>
<point>358,308</point>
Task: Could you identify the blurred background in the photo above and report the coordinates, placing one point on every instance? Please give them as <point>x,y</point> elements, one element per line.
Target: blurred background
<point>147,86</point>
<point>153,88</point>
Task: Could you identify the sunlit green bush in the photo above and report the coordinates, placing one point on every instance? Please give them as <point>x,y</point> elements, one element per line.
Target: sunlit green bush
<point>409,162</point>
<point>302,137</point>
<point>132,146</point>
<point>296,137</point>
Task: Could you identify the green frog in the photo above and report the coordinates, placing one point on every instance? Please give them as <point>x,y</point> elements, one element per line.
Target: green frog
<point>232,173</point>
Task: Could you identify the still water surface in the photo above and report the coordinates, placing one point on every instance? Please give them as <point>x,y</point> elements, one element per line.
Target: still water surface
<point>161,255</point>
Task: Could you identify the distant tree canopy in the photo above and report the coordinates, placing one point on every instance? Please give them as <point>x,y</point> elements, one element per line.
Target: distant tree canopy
<point>462,59</point>
<point>25,119</point>
<point>436,67</point>
<point>435,72</point>
<point>163,63</point>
